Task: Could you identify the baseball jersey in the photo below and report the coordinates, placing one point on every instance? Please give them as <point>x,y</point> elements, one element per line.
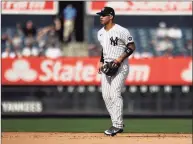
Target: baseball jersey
<point>114,41</point>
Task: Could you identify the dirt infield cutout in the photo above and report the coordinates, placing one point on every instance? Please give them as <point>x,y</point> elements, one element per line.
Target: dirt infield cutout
<point>93,138</point>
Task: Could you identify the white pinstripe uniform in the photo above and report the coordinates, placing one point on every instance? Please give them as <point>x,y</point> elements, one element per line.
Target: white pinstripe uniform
<point>114,44</point>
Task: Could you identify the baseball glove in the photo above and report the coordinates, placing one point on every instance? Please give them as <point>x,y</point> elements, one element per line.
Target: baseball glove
<point>110,68</point>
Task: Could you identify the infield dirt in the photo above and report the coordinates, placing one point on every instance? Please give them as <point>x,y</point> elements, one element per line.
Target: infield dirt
<point>93,138</point>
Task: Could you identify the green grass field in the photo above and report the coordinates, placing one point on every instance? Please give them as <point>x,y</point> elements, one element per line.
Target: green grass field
<point>96,125</point>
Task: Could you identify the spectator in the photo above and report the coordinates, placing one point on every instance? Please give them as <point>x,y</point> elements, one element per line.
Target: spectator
<point>17,45</point>
<point>19,30</point>
<point>52,38</point>
<point>175,32</point>
<point>29,49</point>
<point>17,52</point>
<point>53,52</point>
<point>69,14</point>
<point>58,28</point>
<point>17,41</point>
<point>41,38</point>
<point>188,47</point>
<point>42,47</point>
<point>29,29</point>
<point>163,47</point>
<point>42,33</point>
<point>162,30</point>
<point>8,53</point>
<point>5,41</point>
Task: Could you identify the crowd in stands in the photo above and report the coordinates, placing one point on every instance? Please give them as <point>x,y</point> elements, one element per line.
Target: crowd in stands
<point>29,40</point>
<point>172,41</point>
<point>160,41</point>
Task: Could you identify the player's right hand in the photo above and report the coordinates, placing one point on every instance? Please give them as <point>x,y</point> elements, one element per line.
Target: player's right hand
<point>115,64</point>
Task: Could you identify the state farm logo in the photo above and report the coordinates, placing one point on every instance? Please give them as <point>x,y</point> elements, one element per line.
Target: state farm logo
<point>20,70</point>
<point>52,71</point>
<point>139,73</point>
<point>186,74</point>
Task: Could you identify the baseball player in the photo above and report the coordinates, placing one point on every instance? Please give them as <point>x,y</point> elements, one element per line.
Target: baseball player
<point>117,45</point>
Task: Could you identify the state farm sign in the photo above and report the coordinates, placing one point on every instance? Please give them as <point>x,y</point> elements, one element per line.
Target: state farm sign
<point>83,71</point>
<point>142,8</point>
<point>29,7</point>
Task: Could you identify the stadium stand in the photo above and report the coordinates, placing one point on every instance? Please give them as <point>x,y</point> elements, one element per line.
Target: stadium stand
<point>148,43</point>
<point>145,39</point>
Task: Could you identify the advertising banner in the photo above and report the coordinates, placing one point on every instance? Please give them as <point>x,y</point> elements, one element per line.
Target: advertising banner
<point>142,8</point>
<point>29,7</point>
<point>84,71</point>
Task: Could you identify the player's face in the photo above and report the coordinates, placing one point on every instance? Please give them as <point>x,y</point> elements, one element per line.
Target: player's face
<point>104,19</point>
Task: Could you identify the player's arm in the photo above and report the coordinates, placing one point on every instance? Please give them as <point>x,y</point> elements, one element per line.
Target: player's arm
<point>101,57</point>
<point>130,48</point>
<point>127,39</point>
<point>101,62</point>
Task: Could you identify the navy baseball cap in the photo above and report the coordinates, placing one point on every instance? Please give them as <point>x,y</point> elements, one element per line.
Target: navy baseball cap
<point>107,11</point>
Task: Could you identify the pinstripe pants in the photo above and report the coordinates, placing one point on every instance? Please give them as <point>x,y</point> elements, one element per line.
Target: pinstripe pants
<point>111,92</point>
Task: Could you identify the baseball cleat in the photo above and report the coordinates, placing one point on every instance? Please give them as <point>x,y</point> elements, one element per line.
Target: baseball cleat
<point>112,131</point>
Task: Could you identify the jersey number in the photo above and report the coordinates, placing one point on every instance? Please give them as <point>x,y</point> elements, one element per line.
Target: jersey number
<point>114,42</point>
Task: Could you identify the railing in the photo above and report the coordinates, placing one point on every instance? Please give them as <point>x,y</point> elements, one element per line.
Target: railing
<point>87,100</point>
